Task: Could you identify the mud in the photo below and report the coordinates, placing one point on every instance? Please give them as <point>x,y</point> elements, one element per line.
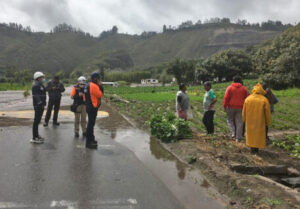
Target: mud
<point>11,121</point>
<point>215,155</point>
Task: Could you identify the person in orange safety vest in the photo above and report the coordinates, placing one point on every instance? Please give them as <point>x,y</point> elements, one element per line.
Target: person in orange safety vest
<point>93,95</point>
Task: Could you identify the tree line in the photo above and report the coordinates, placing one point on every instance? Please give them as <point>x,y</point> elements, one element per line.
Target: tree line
<point>189,25</point>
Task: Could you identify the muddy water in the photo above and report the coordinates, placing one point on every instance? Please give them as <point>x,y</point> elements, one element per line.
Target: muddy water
<point>15,100</point>
<point>186,184</point>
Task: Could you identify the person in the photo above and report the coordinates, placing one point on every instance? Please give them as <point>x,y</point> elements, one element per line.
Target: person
<point>209,101</point>
<point>54,89</point>
<point>256,114</point>
<point>272,100</point>
<point>93,96</point>
<point>77,94</point>
<point>182,102</point>
<point>233,102</point>
<point>39,102</point>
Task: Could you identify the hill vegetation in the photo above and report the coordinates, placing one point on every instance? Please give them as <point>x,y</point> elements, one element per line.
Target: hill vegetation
<point>66,48</point>
<point>279,59</point>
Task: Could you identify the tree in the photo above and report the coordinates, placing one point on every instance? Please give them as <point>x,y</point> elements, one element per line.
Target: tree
<point>199,22</point>
<point>279,60</point>
<point>225,20</point>
<point>164,28</point>
<point>186,24</point>
<point>114,30</point>
<point>241,22</point>
<point>105,34</point>
<point>202,74</point>
<point>228,63</point>
<point>183,71</point>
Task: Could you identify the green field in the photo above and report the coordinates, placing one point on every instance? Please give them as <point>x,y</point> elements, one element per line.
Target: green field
<point>14,86</point>
<point>147,101</point>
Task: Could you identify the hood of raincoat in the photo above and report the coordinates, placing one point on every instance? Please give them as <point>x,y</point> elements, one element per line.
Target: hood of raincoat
<point>236,85</point>
<point>258,89</point>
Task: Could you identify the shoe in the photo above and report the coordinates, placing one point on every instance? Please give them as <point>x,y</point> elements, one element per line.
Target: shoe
<point>76,135</point>
<point>41,138</point>
<point>36,141</point>
<point>84,134</point>
<point>91,146</point>
<point>240,139</point>
<point>254,151</point>
<point>45,124</point>
<point>56,123</point>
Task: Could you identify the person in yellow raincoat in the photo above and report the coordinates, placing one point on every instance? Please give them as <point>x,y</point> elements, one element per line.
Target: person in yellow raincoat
<point>256,115</point>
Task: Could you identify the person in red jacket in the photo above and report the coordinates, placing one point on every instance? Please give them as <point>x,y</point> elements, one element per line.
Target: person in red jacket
<point>233,104</point>
<point>93,95</point>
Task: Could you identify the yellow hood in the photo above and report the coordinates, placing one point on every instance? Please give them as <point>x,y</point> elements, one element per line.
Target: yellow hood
<point>258,89</point>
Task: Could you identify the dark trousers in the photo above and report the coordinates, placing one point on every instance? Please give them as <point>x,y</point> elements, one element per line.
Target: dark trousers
<point>38,113</point>
<point>208,121</point>
<point>92,115</point>
<point>56,104</point>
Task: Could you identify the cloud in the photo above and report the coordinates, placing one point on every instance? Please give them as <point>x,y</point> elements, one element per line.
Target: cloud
<point>135,16</point>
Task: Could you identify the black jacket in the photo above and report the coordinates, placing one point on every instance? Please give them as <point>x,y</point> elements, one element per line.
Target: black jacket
<point>38,94</point>
<point>55,93</point>
<point>77,99</point>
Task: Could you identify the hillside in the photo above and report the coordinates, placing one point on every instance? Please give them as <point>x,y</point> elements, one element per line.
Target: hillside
<point>195,44</point>
<point>51,52</point>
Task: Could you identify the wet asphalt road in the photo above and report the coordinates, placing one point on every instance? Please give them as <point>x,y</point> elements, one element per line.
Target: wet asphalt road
<point>127,171</point>
<point>63,170</point>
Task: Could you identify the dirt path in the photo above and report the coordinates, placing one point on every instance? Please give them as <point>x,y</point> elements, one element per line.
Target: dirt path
<point>278,134</point>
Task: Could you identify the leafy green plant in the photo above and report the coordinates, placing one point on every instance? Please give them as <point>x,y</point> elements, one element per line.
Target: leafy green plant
<point>291,144</point>
<point>169,128</point>
<point>248,201</point>
<point>271,202</point>
<point>26,93</point>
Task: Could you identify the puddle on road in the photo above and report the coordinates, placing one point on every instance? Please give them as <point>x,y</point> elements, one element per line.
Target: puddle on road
<point>13,117</point>
<point>187,184</point>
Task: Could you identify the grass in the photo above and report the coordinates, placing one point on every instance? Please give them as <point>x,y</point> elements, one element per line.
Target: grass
<point>271,202</point>
<point>147,101</point>
<point>14,86</point>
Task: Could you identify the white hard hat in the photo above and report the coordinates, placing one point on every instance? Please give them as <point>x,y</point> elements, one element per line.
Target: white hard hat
<point>38,75</point>
<point>82,80</point>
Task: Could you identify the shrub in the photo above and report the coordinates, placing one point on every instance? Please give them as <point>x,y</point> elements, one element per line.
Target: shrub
<point>26,93</point>
<point>169,128</point>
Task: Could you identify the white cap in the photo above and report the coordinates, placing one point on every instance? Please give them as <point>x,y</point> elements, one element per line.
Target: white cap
<point>82,80</point>
<point>38,75</point>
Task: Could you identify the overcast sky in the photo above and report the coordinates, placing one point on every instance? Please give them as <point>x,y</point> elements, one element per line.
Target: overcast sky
<point>135,16</point>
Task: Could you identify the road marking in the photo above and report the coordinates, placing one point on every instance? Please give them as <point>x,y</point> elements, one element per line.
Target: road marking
<point>129,203</point>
